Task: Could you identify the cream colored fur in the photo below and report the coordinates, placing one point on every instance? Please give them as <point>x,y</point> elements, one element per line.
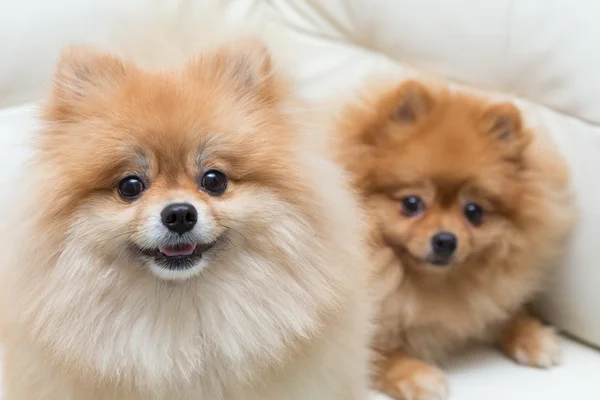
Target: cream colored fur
<point>281,314</point>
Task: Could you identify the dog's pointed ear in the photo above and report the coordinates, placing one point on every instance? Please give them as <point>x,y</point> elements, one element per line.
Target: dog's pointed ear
<point>414,101</point>
<point>79,73</point>
<point>246,64</point>
<point>503,124</point>
<point>252,62</point>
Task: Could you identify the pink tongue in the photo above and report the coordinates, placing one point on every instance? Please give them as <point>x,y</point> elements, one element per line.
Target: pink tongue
<point>184,250</point>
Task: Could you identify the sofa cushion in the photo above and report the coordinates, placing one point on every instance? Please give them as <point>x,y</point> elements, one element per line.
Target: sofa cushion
<point>543,50</point>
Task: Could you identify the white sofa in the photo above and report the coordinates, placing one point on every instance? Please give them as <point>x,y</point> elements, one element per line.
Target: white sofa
<point>545,52</point>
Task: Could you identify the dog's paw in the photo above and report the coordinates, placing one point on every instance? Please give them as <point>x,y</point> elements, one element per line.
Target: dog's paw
<point>534,345</point>
<point>416,380</point>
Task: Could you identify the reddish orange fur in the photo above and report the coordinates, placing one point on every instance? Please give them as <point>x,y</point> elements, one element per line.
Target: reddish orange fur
<point>451,148</point>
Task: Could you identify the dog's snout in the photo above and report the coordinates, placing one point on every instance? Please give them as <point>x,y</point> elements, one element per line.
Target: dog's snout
<point>444,244</point>
<point>179,217</point>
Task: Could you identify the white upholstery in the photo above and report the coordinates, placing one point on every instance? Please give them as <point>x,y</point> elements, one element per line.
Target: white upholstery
<point>484,375</point>
<point>544,51</point>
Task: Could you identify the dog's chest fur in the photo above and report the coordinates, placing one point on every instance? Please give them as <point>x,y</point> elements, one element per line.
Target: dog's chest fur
<point>430,322</point>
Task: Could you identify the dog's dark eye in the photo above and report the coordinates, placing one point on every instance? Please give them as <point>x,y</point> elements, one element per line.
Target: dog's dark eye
<point>412,205</point>
<point>214,182</point>
<point>131,187</point>
<point>474,214</point>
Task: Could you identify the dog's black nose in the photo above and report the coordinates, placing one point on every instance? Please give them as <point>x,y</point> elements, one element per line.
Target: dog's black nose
<point>179,217</point>
<point>444,244</point>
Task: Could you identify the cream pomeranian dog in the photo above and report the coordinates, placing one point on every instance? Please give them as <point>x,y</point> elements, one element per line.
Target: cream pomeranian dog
<point>181,235</point>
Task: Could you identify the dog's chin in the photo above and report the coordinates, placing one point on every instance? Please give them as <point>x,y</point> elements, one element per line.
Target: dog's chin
<point>438,262</point>
<point>432,263</point>
<point>176,262</point>
<point>184,269</point>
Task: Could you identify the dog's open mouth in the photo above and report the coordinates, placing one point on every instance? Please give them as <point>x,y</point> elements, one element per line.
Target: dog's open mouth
<point>178,250</point>
<point>177,256</point>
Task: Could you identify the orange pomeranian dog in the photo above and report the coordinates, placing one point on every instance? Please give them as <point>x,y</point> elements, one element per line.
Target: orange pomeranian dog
<point>180,236</point>
<point>469,209</point>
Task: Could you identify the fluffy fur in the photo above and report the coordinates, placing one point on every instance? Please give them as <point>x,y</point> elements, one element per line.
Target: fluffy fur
<point>450,149</point>
<point>276,309</point>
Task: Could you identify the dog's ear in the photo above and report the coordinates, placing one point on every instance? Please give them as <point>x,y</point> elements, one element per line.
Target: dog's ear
<point>251,62</point>
<point>414,101</point>
<point>81,72</point>
<point>245,65</point>
<point>503,124</point>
